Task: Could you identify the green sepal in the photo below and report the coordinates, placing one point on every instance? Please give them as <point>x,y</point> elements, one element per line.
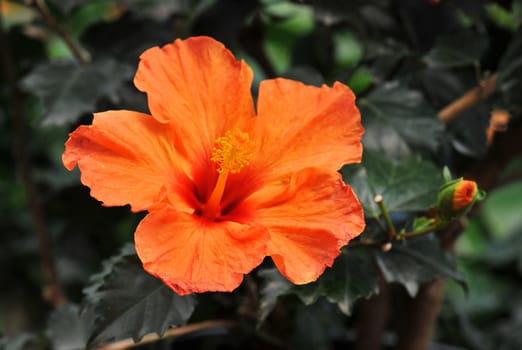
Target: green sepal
<point>445,209</point>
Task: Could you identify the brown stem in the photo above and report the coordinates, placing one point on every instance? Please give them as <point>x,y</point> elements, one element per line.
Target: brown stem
<point>173,332</point>
<point>418,318</point>
<point>44,11</point>
<point>469,99</point>
<point>52,290</point>
<point>372,319</point>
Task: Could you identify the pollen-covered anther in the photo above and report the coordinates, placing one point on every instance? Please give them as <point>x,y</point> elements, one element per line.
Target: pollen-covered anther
<point>233,151</point>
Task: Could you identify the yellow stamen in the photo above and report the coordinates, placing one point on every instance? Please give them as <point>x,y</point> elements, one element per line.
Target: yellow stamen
<point>232,152</point>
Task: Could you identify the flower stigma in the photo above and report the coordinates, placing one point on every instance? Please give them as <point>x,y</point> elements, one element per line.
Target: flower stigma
<point>232,152</point>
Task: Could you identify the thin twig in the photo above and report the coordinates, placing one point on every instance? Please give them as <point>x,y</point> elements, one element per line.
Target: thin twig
<point>389,224</point>
<point>469,99</point>
<point>173,332</point>
<point>52,290</point>
<point>46,14</point>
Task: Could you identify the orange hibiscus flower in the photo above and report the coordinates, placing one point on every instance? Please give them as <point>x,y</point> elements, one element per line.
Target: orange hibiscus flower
<point>225,186</point>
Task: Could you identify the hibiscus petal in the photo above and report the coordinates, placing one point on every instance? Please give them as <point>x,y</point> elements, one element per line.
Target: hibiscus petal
<point>191,254</point>
<point>199,86</point>
<point>305,126</point>
<point>309,223</point>
<point>125,157</point>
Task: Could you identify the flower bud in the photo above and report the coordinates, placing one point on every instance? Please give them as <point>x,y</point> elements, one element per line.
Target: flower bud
<point>456,197</point>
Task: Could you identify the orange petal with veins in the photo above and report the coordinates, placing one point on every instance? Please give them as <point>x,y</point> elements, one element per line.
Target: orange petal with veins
<point>124,157</point>
<point>303,126</point>
<point>200,87</point>
<point>193,255</point>
<point>309,223</point>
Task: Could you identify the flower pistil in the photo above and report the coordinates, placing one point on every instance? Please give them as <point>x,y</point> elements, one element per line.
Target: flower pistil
<point>232,152</point>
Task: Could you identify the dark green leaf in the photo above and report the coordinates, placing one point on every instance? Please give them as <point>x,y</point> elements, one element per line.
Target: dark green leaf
<point>67,90</point>
<point>385,57</point>
<point>21,341</point>
<point>315,325</point>
<point>473,242</point>
<point>505,252</point>
<point>128,302</point>
<point>66,330</point>
<point>417,261</point>
<point>398,119</point>
<point>456,50</point>
<point>357,12</point>
<point>421,223</point>
<point>513,168</point>
<point>274,286</point>
<point>510,72</point>
<point>494,236</point>
<point>488,291</point>
<point>158,9</point>
<point>501,210</point>
<point>126,38</point>
<point>350,278</point>
<point>304,74</point>
<point>66,6</point>
<point>409,184</point>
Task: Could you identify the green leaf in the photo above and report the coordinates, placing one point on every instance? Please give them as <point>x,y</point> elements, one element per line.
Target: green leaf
<point>417,261</point>
<point>66,329</point>
<point>398,120</point>
<point>128,302</point>
<point>465,134</point>
<point>68,90</point>
<point>422,223</point>
<point>494,235</point>
<point>505,252</point>
<point>489,291</point>
<point>315,326</point>
<point>21,341</point>
<point>360,80</point>
<point>282,34</point>
<point>457,50</point>
<point>305,74</point>
<point>500,212</point>
<point>126,38</point>
<point>502,17</point>
<point>157,9</point>
<point>513,168</point>
<point>274,286</point>
<point>67,6</point>
<point>385,56</point>
<point>472,243</point>
<point>410,184</point>
<point>350,278</point>
<point>348,51</point>
<point>91,13</point>
<point>510,72</point>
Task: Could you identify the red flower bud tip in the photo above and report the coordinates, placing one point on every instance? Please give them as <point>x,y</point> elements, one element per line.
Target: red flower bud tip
<point>464,194</point>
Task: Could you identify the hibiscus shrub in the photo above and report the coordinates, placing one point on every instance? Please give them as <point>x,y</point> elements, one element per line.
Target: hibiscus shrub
<point>260,174</point>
